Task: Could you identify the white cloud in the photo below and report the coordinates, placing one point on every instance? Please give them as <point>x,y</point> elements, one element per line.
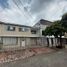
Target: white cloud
<point>28,12</point>
<point>54,10</point>
<point>15,15</point>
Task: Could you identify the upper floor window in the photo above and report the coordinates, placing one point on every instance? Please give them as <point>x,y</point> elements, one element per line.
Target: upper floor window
<point>23,29</point>
<point>10,28</point>
<point>33,31</point>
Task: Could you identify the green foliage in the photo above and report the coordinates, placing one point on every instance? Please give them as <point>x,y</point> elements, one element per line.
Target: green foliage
<point>47,31</point>
<point>64,17</point>
<point>58,28</point>
<point>55,29</point>
<point>64,21</point>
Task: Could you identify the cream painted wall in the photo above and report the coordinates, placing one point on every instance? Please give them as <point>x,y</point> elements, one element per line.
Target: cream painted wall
<point>4,32</point>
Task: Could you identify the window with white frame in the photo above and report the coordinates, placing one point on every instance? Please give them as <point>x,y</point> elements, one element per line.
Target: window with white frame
<point>10,28</point>
<point>33,31</point>
<point>23,29</point>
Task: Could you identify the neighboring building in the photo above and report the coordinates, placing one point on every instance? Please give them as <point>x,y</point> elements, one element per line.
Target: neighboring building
<point>15,35</point>
<point>42,24</point>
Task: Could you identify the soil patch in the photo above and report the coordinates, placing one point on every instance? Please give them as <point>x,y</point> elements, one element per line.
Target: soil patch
<point>7,56</point>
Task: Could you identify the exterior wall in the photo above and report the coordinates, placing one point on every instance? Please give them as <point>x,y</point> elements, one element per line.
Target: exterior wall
<point>42,27</point>
<point>41,41</point>
<point>56,42</point>
<point>19,43</point>
<point>10,42</point>
<point>16,33</point>
<point>28,42</point>
<point>23,39</point>
<point>44,41</point>
<point>22,42</point>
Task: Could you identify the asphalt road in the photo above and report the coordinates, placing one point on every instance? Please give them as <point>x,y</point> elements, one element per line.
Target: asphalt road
<point>57,59</point>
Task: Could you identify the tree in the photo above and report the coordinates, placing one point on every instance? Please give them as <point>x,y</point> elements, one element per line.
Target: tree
<point>64,21</point>
<point>55,29</point>
<point>45,32</point>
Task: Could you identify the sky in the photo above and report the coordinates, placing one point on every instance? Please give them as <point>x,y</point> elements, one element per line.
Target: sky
<point>29,12</point>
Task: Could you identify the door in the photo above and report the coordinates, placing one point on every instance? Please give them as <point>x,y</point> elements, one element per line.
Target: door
<point>23,43</point>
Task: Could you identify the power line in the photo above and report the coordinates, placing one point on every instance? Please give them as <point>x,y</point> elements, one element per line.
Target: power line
<point>27,11</point>
<point>20,8</point>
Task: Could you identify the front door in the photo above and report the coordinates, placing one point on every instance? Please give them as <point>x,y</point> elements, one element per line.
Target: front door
<point>23,43</point>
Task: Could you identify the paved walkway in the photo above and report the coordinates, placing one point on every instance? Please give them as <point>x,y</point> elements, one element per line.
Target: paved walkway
<point>58,59</point>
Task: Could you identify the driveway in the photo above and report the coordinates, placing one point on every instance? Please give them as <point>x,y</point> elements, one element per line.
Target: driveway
<point>57,59</point>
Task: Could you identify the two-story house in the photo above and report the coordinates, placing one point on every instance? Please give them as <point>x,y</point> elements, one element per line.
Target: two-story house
<point>15,35</point>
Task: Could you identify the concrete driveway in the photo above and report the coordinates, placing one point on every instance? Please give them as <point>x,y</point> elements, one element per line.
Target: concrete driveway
<point>57,59</point>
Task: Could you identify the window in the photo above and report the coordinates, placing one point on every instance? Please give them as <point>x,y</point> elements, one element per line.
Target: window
<point>10,28</point>
<point>33,31</point>
<point>23,29</point>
